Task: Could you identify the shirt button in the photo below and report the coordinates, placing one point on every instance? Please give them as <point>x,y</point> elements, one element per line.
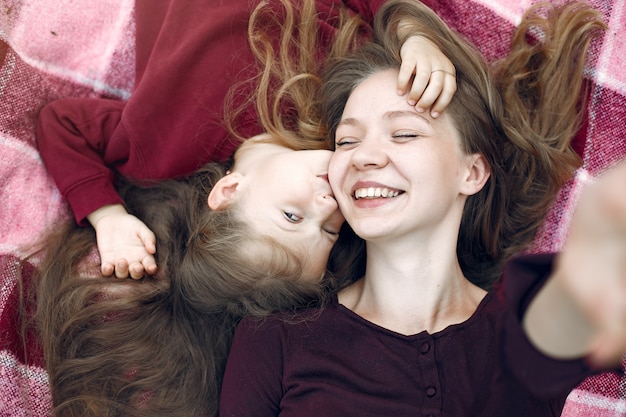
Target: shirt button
<point>431,391</point>
<point>425,348</point>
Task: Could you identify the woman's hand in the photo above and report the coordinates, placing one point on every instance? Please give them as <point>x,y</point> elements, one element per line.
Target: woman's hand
<point>126,245</point>
<point>434,83</point>
<point>592,266</point>
<point>581,310</point>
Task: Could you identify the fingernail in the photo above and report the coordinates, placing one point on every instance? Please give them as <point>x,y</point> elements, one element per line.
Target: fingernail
<point>419,109</point>
<point>400,92</point>
<point>434,115</point>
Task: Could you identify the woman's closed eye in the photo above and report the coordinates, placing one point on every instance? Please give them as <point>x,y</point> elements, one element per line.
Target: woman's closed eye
<point>345,142</point>
<point>405,136</point>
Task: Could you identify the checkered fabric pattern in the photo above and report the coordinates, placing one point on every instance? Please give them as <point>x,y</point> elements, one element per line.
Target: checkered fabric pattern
<point>85,48</point>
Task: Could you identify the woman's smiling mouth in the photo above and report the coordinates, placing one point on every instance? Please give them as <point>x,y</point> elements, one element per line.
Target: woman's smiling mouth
<point>375,192</point>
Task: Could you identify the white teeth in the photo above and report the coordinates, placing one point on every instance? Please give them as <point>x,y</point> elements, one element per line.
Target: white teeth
<point>374,192</point>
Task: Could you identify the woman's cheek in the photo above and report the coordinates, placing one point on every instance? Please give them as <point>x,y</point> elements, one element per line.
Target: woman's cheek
<point>335,169</point>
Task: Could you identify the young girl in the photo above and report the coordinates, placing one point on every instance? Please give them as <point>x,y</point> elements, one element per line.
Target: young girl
<point>441,204</point>
<point>189,54</point>
<point>158,347</point>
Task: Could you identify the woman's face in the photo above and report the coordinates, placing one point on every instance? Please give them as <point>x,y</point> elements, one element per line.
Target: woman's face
<point>396,172</point>
<point>286,195</point>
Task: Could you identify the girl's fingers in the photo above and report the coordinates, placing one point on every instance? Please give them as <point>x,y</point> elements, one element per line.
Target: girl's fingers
<point>149,240</point>
<point>432,91</point>
<point>445,96</point>
<point>420,77</point>
<point>136,270</point>
<point>121,268</point>
<point>150,265</point>
<point>404,76</point>
<point>107,269</point>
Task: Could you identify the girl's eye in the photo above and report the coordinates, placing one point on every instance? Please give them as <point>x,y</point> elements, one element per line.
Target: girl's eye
<point>293,218</point>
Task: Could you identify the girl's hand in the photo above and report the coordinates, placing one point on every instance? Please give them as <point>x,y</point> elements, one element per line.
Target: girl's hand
<point>434,84</point>
<point>126,245</point>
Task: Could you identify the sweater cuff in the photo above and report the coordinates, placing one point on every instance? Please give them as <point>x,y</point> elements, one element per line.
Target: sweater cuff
<point>543,375</point>
<point>90,195</point>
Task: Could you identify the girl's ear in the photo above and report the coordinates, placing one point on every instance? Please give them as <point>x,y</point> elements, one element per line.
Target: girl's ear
<point>224,192</point>
<point>477,175</point>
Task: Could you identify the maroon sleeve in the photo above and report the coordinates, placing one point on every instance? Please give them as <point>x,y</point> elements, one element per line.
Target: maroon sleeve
<point>78,140</point>
<point>544,376</point>
<point>189,53</point>
<point>252,385</point>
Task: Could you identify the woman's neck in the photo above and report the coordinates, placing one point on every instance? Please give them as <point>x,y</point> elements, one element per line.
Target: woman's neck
<point>412,292</point>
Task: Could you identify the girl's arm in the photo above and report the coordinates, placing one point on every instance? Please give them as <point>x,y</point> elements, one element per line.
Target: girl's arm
<point>79,140</point>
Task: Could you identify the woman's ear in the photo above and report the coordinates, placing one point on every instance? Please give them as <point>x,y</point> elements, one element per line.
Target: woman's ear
<point>224,192</point>
<point>477,175</point>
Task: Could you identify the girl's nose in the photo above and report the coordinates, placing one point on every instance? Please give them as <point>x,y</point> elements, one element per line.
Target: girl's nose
<point>327,204</point>
<point>334,220</point>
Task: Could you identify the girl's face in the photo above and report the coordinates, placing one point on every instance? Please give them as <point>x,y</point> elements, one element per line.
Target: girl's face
<point>396,172</point>
<point>287,196</point>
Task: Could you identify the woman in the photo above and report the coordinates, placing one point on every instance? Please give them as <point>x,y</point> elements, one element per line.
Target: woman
<point>158,347</point>
<point>441,204</point>
<point>189,54</point>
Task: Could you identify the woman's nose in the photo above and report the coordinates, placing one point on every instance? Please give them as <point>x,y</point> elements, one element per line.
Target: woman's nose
<point>370,153</point>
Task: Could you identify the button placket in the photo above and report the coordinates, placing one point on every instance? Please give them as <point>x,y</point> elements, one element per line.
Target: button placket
<point>432,392</point>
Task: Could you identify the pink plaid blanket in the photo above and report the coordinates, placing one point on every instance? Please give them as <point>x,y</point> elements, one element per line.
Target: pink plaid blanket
<point>84,48</point>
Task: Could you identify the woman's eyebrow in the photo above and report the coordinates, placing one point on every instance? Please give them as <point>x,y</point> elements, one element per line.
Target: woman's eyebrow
<point>393,114</point>
<point>349,121</point>
<point>405,113</point>
<point>390,115</point>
